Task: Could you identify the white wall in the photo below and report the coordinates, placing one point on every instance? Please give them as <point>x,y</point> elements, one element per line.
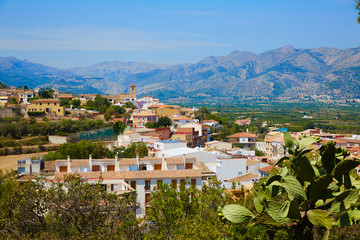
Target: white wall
<point>230,168</point>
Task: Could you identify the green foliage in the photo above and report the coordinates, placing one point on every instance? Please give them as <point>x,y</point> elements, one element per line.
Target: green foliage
<point>36,113</point>
<point>46,93</point>
<point>72,209</point>
<point>187,213</point>
<point>163,122</point>
<point>13,101</point>
<point>18,127</point>
<point>202,113</point>
<point>130,105</point>
<point>134,149</point>
<point>80,150</point>
<point>119,127</point>
<point>304,196</point>
<point>65,102</point>
<point>75,102</point>
<point>100,103</point>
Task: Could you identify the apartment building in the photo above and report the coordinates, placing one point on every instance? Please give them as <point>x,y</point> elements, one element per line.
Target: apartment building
<point>245,139</point>
<point>48,106</point>
<point>143,117</point>
<point>139,174</point>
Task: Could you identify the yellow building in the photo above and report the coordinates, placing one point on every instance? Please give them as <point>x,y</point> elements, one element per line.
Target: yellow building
<point>49,106</point>
<point>164,110</point>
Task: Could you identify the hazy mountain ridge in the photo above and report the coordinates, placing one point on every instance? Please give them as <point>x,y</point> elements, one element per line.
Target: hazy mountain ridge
<point>284,73</point>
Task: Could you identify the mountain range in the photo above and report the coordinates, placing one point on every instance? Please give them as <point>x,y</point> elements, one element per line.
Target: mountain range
<point>286,73</point>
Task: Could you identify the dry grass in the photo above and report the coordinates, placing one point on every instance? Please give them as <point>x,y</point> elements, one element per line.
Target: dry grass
<point>10,162</point>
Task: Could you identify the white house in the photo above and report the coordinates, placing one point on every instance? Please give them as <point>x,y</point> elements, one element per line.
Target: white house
<point>133,174</point>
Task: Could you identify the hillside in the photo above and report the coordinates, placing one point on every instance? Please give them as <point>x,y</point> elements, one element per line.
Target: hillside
<point>286,73</point>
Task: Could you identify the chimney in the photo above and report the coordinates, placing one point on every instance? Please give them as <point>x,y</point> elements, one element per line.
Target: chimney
<point>137,160</point>
<point>90,163</point>
<point>184,159</point>
<point>68,164</point>
<point>163,163</point>
<point>117,167</point>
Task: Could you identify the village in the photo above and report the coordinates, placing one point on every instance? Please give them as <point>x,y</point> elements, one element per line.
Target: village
<point>180,152</point>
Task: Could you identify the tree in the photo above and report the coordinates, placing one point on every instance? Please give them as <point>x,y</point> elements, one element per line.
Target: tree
<point>119,127</point>
<point>13,101</point>
<point>305,195</point>
<point>130,105</point>
<point>65,102</point>
<point>136,149</point>
<point>75,102</point>
<point>202,113</point>
<point>187,213</point>
<point>164,122</point>
<point>46,93</point>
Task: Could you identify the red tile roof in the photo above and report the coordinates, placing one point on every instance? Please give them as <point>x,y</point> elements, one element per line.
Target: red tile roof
<point>242,135</point>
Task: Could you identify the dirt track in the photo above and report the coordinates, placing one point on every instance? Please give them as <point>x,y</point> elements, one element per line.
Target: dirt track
<point>10,162</point>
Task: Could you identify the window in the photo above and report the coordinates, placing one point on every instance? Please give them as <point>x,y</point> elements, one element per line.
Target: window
<point>58,110</point>
<point>40,104</point>
<point>133,184</point>
<point>157,166</point>
<point>139,118</point>
<point>95,168</point>
<point>63,168</point>
<point>55,104</point>
<point>193,182</point>
<point>139,125</point>
<point>147,185</point>
<point>240,173</point>
<point>143,124</point>
<point>159,182</point>
<point>174,183</point>
<point>110,168</point>
<point>188,166</point>
<point>147,198</point>
<point>182,182</point>
<point>133,168</point>
<point>143,118</point>
<point>142,167</point>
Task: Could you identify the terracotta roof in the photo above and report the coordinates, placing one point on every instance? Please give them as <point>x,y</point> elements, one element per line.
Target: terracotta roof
<point>243,178</point>
<point>158,106</point>
<point>210,121</point>
<point>242,134</point>
<point>128,132</point>
<point>163,174</point>
<point>250,162</point>
<point>202,166</point>
<point>65,95</point>
<point>144,113</point>
<point>46,100</point>
<point>182,118</point>
<point>267,168</point>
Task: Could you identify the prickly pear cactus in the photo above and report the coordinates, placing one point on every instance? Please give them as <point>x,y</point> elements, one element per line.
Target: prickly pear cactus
<point>305,193</point>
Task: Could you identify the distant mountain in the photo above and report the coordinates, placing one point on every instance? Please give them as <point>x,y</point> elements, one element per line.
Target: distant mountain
<point>280,74</point>
<point>15,72</point>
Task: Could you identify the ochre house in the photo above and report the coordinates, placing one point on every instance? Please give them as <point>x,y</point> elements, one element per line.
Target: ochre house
<point>49,106</point>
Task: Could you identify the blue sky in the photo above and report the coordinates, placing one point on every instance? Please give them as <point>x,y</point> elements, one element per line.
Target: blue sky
<point>84,32</point>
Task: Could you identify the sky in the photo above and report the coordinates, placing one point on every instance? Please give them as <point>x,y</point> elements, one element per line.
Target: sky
<point>84,32</point>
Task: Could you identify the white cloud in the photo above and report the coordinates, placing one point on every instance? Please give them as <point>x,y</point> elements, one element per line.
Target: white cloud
<point>94,38</point>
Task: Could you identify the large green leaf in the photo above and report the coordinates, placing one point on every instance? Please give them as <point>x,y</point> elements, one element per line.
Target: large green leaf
<point>306,142</point>
<point>303,168</point>
<point>293,188</point>
<point>273,209</point>
<point>319,187</point>
<point>344,220</point>
<point>237,213</point>
<point>344,167</point>
<point>290,142</point>
<point>258,206</point>
<point>320,218</point>
<point>272,179</point>
<point>328,156</point>
<point>294,210</point>
<point>281,160</point>
<point>354,214</point>
<point>284,209</point>
<point>344,200</point>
